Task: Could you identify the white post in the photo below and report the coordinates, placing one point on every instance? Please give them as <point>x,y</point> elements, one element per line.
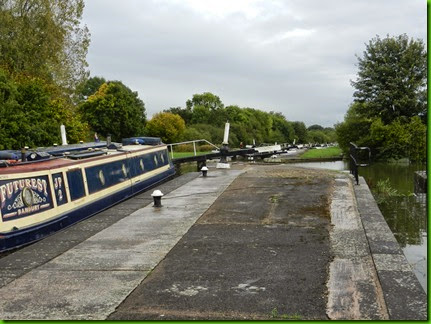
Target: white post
<point>226,134</point>
<point>63,135</point>
<point>194,147</point>
<point>224,149</point>
<point>172,151</point>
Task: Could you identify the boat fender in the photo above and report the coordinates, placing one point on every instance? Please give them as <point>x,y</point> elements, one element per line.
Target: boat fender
<point>8,156</point>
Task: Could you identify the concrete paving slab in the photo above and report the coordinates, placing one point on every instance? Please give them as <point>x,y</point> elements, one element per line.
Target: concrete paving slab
<point>379,231</point>
<point>72,295</point>
<point>384,247</point>
<point>349,243</point>
<point>32,257</point>
<point>7,276</point>
<point>108,256</point>
<point>354,290</point>
<point>403,295</point>
<point>391,262</point>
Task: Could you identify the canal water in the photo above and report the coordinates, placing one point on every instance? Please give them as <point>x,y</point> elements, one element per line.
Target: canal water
<point>405,212</point>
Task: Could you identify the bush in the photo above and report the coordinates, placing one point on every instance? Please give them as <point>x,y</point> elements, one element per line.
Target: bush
<point>189,148</point>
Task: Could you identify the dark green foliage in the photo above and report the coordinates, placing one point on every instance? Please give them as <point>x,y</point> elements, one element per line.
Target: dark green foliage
<point>391,79</point>
<point>89,87</point>
<point>31,116</point>
<point>185,114</point>
<point>390,101</point>
<point>206,108</point>
<point>114,109</point>
<point>355,128</point>
<point>205,116</point>
<point>43,47</point>
<point>318,134</point>
<point>315,127</point>
<point>301,133</point>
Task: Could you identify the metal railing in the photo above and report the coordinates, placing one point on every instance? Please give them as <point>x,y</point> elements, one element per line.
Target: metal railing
<point>358,159</point>
<point>188,142</point>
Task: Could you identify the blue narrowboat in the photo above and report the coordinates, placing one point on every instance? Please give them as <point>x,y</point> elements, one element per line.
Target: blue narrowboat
<point>47,189</point>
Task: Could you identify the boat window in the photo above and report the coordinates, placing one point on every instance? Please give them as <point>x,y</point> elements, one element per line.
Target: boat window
<point>148,162</point>
<point>106,175</point>
<point>76,184</point>
<point>156,162</point>
<point>59,189</point>
<point>141,164</point>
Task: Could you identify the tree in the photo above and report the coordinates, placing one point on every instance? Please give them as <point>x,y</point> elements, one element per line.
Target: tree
<point>317,136</point>
<point>392,79</point>
<point>283,130</point>
<point>206,108</point>
<point>206,99</point>
<point>186,114</point>
<point>30,115</point>
<point>355,128</point>
<point>300,132</point>
<point>399,139</point>
<point>169,127</point>
<point>44,38</point>
<point>114,109</point>
<point>89,87</point>
<point>315,127</point>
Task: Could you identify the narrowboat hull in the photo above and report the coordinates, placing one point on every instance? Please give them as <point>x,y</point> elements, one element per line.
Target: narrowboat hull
<point>38,199</point>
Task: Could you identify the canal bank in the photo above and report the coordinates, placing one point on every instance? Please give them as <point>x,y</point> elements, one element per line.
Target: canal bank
<point>404,210</point>
<point>252,242</point>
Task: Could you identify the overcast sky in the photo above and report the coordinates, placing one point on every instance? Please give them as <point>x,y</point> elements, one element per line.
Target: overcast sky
<point>296,57</point>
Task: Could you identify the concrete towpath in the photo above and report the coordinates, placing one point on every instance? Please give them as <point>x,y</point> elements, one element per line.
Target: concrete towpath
<point>252,242</point>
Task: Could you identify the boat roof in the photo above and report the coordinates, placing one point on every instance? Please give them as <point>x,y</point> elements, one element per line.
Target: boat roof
<point>70,155</point>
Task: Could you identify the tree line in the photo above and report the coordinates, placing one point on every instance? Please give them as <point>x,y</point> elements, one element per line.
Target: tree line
<point>205,115</point>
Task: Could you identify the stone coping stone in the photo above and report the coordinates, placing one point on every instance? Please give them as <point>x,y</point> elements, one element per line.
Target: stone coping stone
<point>404,296</point>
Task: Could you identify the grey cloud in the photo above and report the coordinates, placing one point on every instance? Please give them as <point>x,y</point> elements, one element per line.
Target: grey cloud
<point>167,52</point>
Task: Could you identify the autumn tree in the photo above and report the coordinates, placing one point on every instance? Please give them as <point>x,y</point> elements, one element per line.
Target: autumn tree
<point>44,38</point>
<point>89,87</point>
<point>169,127</point>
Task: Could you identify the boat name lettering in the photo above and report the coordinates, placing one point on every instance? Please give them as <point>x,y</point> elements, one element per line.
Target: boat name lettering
<point>9,189</point>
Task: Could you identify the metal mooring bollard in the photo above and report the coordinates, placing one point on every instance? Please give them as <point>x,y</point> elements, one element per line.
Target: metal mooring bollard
<point>204,171</point>
<point>157,196</point>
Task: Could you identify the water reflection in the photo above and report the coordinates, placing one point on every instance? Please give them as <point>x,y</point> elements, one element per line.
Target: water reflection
<point>406,216</point>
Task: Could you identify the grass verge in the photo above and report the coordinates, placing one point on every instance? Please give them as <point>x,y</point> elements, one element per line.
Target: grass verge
<point>186,154</point>
<point>328,152</point>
